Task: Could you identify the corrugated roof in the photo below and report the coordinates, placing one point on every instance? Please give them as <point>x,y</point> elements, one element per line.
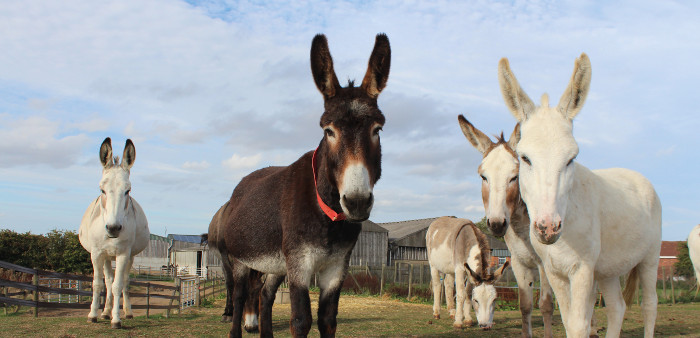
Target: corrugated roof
<point>369,226</point>
<point>399,230</point>
<point>186,238</point>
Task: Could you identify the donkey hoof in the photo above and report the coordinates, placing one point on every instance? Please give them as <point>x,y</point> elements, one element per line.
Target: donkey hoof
<point>436,316</point>
<point>457,325</point>
<point>117,325</point>
<point>129,316</point>
<point>92,320</point>
<point>452,316</point>
<point>226,319</point>
<point>469,323</point>
<point>106,317</point>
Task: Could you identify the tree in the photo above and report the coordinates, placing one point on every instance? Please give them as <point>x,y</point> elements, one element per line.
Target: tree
<point>684,267</point>
<point>59,251</point>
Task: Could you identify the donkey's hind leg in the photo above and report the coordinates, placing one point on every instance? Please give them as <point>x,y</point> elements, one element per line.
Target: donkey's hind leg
<point>647,277</point>
<point>614,305</point>
<point>450,293</point>
<point>437,291</point>
<point>228,277</point>
<point>109,280</point>
<point>240,279</point>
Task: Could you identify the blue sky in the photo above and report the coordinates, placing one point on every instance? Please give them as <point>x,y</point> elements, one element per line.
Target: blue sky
<point>212,90</point>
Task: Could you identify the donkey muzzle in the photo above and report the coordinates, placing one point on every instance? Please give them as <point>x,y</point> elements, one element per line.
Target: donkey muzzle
<point>498,228</point>
<point>113,230</point>
<point>358,206</point>
<point>548,232</point>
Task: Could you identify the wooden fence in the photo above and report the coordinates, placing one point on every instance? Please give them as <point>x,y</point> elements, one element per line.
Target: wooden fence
<point>9,296</point>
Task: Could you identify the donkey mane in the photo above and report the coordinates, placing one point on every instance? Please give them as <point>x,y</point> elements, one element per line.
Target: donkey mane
<point>484,251</point>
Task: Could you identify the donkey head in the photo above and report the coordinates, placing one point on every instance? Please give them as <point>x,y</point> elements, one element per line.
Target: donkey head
<point>115,186</point>
<point>547,147</point>
<point>499,175</point>
<point>484,294</point>
<point>350,151</point>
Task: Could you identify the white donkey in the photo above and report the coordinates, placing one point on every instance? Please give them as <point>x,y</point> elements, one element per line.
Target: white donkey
<point>457,248</point>
<point>506,216</point>
<point>694,251</point>
<point>585,225</point>
<point>114,226</point>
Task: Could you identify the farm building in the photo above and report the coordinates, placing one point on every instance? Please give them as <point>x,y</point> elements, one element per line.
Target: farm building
<point>407,239</point>
<point>667,257</point>
<point>371,246</point>
<point>155,254</point>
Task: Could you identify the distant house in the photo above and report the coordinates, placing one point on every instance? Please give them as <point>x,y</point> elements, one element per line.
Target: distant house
<point>371,246</point>
<point>667,257</point>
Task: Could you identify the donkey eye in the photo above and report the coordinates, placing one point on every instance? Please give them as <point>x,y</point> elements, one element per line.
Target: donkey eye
<point>103,191</point>
<point>484,178</point>
<point>513,179</point>
<point>376,130</point>
<point>127,192</point>
<point>525,159</point>
<point>571,161</point>
<point>329,132</point>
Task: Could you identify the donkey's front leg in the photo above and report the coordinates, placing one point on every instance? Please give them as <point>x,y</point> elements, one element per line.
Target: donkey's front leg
<point>463,314</point>
<point>582,290</point>
<point>98,260</point>
<point>267,299</point>
<point>120,276</point>
<point>109,280</point>
<point>128,314</point>
<point>525,278</point>
<point>331,282</point>
<point>299,273</point>
<point>546,302</point>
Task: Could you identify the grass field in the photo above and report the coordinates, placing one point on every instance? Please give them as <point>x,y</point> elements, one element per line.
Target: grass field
<point>359,316</point>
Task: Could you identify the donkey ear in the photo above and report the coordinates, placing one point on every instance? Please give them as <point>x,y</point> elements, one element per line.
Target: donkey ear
<point>499,272</point>
<point>129,155</point>
<point>378,67</point>
<point>106,153</point>
<point>519,104</point>
<point>575,94</point>
<point>474,278</point>
<point>514,137</point>
<point>322,67</point>
<point>478,139</point>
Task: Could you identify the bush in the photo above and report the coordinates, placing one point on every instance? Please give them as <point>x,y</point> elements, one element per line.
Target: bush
<point>59,251</point>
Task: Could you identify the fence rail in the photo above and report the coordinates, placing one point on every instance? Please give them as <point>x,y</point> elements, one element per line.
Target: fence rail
<point>38,291</point>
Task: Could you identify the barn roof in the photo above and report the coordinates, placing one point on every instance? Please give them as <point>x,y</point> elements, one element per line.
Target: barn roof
<point>670,248</point>
<point>399,230</point>
<point>186,238</point>
<point>369,226</point>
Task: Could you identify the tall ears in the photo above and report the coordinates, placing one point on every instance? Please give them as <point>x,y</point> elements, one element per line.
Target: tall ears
<point>514,137</point>
<point>322,67</point>
<point>478,139</point>
<point>474,278</point>
<point>106,153</point>
<point>129,155</point>
<point>378,67</point>
<point>517,101</point>
<point>575,94</point>
<point>499,272</point>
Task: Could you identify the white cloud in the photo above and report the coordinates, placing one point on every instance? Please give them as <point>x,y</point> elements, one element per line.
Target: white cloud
<point>198,166</point>
<point>242,162</point>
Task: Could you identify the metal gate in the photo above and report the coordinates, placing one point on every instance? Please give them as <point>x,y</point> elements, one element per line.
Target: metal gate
<point>189,291</point>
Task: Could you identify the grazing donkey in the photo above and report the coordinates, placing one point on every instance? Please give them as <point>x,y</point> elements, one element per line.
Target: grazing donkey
<point>694,252</point>
<point>457,248</point>
<point>252,303</point>
<point>114,226</point>
<point>286,220</point>
<point>587,226</point>
<point>506,216</point>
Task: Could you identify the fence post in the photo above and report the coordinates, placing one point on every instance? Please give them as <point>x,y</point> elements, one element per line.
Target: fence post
<point>663,280</point>
<point>179,294</point>
<point>197,298</point>
<point>148,298</point>
<point>35,281</point>
<point>410,280</point>
<point>673,292</point>
<point>4,288</point>
<point>381,281</point>
<point>396,270</point>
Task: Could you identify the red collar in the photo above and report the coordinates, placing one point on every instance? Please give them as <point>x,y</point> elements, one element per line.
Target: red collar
<point>334,216</point>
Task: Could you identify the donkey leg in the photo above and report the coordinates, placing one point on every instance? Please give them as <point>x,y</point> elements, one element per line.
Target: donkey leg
<point>109,296</point>
<point>252,303</point>
<point>650,300</point>
<point>299,274</point>
<point>546,302</point>
<point>560,286</point>
<point>239,272</point>
<point>525,278</point>
<point>128,314</point>
<point>228,309</point>
<point>97,285</point>
<point>462,317</point>
<point>449,293</point>
<point>614,305</point>
<point>120,275</point>
<point>267,299</point>
<point>331,282</point>
<point>582,288</point>
<point>437,291</point>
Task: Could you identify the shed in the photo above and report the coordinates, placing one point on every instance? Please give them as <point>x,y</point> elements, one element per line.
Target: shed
<point>191,260</point>
<point>371,246</point>
<point>407,239</point>
<point>186,243</point>
<point>155,254</point>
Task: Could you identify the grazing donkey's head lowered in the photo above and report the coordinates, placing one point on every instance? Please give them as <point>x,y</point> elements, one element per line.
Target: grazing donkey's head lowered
<point>483,293</point>
<point>115,186</point>
<point>350,151</point>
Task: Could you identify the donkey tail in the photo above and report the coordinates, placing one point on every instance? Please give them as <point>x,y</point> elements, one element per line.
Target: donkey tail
<point>631,286</point>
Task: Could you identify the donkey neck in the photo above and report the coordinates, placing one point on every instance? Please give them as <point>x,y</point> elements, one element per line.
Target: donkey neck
<point>324,184</point>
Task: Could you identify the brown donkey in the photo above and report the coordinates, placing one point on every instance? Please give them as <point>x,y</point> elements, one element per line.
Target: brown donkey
<point>305,218</point>
<point>250,311</point>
